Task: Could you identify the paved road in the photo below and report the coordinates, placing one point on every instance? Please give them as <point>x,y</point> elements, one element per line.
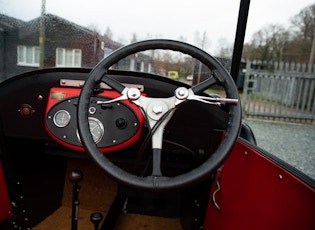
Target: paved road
<point>291,142</point>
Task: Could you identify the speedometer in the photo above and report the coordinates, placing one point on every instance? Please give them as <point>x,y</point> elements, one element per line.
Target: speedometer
<point>96,129</point>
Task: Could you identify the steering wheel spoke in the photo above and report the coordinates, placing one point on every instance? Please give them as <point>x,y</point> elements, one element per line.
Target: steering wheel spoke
<point>199,88</point>
<point>156,162</point>
<point>116,85</point>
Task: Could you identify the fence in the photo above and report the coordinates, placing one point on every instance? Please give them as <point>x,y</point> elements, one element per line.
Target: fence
<point>285,92</point>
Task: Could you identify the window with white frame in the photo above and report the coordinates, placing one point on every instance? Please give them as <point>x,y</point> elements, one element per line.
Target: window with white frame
<point>68,57</point>
<point>28,56</point>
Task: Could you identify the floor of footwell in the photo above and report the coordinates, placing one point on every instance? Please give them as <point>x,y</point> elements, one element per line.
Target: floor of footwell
<point>96,194</point>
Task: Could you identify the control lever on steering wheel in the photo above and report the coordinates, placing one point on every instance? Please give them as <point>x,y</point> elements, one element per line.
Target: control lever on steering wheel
<point>182,94</point>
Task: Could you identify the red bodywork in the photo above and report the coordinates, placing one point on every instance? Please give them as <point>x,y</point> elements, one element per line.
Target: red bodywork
<point>258,194</point>
<point>255,192</point>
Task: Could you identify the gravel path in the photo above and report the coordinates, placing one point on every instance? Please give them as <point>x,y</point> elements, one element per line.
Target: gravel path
<point>291,142</point>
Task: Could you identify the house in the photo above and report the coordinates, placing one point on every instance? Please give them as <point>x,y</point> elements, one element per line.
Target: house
<point>66,44</point>
<point>9,33</point>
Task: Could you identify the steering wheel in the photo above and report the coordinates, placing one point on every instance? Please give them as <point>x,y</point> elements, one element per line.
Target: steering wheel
<point>159,111</point>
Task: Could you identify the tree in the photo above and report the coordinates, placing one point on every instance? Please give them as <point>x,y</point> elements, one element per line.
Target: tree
<point>226,49</point>
<point>304,23</point>
<point>94,28</point>
<point>107,38</point>
<point>108,33</point>
<point>134,38</point>
<point>201,42</point>
<point>275,43</point>
<point>279,39</point>
<point>268,44</point>
<point>248,52</point>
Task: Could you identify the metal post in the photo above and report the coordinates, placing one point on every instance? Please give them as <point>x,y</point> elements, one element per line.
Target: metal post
<point>311,60</point>
<point>239,38</point>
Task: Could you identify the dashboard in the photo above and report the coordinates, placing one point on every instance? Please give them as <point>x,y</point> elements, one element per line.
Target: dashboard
<point>41,105</point>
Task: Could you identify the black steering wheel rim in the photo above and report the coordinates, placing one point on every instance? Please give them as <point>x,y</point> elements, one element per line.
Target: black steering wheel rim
<point>153,182</point>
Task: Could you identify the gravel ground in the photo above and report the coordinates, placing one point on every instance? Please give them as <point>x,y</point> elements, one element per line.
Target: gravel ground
<point>291,142</point>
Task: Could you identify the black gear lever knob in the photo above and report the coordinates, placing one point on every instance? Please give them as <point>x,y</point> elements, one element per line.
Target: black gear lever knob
<point>96,219</point>
<point>76,176</point>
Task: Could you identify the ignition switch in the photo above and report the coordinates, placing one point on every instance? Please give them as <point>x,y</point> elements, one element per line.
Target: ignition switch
<point>26,110</point>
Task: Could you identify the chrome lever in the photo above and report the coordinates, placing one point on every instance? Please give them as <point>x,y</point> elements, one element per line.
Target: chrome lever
<point>132,94</point>
<point>216,99</point>
<point>122,97</point>
<point>183,94</point>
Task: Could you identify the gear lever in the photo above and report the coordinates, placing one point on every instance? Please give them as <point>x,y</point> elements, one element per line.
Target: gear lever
<point>75,177</point>
<point>96,219</point>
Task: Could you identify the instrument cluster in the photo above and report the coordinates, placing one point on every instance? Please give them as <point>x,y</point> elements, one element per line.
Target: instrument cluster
<point>112,126</point>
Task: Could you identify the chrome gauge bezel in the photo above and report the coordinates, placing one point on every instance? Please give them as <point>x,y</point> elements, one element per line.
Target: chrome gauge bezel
<point>61,118</point>
<point>96,129</point>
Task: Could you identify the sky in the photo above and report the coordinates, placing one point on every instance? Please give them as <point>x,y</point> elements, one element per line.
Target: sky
<point>176,19</point>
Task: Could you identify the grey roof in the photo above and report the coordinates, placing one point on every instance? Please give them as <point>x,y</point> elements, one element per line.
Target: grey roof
<point>9,23</point>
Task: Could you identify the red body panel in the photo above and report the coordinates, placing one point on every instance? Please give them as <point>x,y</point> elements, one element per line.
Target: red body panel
<point>5,205</point>
<point>258,194</point>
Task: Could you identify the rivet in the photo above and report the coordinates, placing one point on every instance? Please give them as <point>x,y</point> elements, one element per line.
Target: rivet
<point>280,177</point>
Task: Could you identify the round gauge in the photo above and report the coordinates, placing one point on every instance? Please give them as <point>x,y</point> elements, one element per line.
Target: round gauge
<point>62,118</point>
<point>96,129</point>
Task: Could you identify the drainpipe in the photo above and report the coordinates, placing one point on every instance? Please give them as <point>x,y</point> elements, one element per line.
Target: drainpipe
<point>42,36</point>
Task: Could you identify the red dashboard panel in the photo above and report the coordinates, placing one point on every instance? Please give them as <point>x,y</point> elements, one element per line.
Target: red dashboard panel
<point>113,126</point>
